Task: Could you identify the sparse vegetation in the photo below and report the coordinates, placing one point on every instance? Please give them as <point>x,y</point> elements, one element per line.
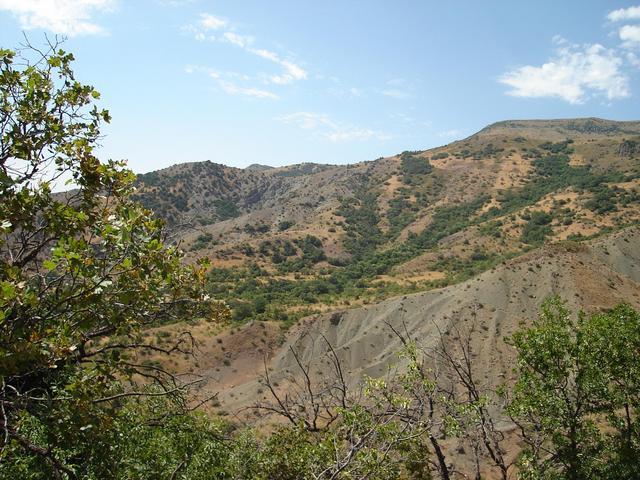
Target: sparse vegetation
<point>537,227</point>
<point>226,209</point>
<point>413,166</point>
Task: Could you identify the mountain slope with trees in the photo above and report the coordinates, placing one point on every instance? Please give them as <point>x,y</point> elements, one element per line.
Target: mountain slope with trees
<point>305,238</point>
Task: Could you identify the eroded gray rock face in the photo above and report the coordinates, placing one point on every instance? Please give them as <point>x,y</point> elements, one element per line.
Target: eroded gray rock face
<point>629,148</point>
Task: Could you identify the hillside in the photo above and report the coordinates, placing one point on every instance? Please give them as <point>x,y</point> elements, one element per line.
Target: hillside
<point>593,276</point>
<point>295,240</point>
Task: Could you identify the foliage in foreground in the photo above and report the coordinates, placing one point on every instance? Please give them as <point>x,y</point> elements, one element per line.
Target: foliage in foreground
<point>81,275</point>
<point>576,404</point>
<point>578,394</point>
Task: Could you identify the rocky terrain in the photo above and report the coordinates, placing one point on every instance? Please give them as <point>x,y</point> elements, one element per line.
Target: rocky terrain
<point>512,208</point>
<point>290,241</point>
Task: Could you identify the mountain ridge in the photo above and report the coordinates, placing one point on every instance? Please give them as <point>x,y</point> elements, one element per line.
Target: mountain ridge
<point>348,234</point>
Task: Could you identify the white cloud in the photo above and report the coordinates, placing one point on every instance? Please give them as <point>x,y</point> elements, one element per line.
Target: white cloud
<point>308,120</point>
<point>395,93</point>
<point>397,82</point>
<point>241,41</point>
<point>323,126</point>
<point>574,74</point>
<point>633,59</point>
<point>175,3</point>
<point>630,35</point>
<point>622,14</point>
<point>360,134</point>
<point>200,69</point>
<point>266,54</point>
<point>559,40</point>
<point>65,17</point>
<point>342,92</point>
<point>211,22</point>
<point>233,89</point>
<point>226,85</point>
<point>396,88</point>
<point>291,71</point>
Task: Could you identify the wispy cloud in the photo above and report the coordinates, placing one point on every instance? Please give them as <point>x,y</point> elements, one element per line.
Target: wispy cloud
<point>228,82</point>
<point>242,41</point>
<point>360,134</point>
<point>233,89</point>
<point>397,88</point>
<point>395,93</point>
<point>291,71</point>
<point>337,89</point>
<point>454,133</point>
<point>175,3</point>
<point>633,59</point>
<point>211,22</point>
<point>65,17</point>
<point>308,120</point>
<point>574,74</point>
<point>323,126</point>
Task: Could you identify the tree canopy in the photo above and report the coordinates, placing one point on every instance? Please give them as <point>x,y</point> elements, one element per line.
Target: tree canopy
<point>81,274</point>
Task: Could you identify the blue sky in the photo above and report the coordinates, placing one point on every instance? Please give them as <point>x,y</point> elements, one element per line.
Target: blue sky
<point>279,82</point>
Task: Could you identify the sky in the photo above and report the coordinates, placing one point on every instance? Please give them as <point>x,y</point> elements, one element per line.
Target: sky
<point>280,82</point>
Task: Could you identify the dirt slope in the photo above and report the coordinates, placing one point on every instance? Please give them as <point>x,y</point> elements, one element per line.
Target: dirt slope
<point>593,276</point>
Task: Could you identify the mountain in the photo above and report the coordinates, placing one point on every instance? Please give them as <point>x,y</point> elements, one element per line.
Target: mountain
<point>592,276</point>
<point>465,239</point>
<point>256,167</point>
<point>294,240</point>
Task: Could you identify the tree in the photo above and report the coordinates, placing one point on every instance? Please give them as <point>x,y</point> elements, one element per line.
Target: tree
<point>577,397</point>
<point>82,273</point>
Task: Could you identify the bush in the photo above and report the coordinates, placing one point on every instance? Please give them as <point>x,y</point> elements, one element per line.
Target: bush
<point>537,229</point>
<point>412,165</point>
<point>285,225</point>
<point>226,209</point>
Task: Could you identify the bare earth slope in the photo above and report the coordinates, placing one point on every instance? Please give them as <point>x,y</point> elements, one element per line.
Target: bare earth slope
<point>593,276</point>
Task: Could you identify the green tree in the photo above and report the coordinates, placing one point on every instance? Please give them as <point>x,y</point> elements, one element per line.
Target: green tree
<point>82,273</point>
<point>577,397</point>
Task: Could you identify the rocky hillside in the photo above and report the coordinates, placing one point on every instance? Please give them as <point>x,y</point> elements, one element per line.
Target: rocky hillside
<point>466,240</point>
<point>593,276</point>
<point>289,241</point>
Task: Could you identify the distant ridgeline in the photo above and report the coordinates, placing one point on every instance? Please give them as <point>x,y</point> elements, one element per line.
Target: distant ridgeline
<point>286,241</point>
